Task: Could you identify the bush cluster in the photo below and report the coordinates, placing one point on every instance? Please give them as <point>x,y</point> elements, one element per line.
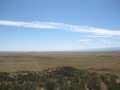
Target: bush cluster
<point>60,78</point>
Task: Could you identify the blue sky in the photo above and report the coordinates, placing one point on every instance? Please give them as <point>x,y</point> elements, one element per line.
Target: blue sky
<point>59,25</point>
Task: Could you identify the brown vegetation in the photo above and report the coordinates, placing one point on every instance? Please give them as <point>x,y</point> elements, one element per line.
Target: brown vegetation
<point>100,62</point>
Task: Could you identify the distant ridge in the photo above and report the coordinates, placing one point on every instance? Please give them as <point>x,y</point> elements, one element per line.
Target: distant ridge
<point>101,49</point>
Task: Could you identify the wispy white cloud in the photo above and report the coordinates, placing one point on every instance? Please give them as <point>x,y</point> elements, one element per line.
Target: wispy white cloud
<point>52,25</point>
<point>117,37</point>
<point>97,36</point>
<point>85,40</point>
<point>106,42</point>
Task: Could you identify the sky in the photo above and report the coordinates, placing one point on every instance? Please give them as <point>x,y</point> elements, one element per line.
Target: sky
<point>59,25</point>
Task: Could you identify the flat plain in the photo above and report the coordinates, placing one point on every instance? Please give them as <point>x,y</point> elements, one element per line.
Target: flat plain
<point>100,62</point>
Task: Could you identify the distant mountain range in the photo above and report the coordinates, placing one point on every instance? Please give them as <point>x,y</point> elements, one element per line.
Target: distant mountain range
<point>101,49</point>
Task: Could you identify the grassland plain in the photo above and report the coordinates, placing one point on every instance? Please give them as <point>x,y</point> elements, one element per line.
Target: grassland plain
<point>100,62</point>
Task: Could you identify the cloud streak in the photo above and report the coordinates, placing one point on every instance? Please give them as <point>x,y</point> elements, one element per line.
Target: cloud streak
<point>97,36</point>
<point>85,40</point>
<point>106,42</point>
<point>61,26</point>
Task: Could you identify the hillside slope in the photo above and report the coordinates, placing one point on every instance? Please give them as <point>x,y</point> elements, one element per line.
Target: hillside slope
<point>59,78</point>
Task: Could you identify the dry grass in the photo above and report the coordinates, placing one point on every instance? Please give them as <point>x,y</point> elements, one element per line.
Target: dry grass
<point>101,62</point>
